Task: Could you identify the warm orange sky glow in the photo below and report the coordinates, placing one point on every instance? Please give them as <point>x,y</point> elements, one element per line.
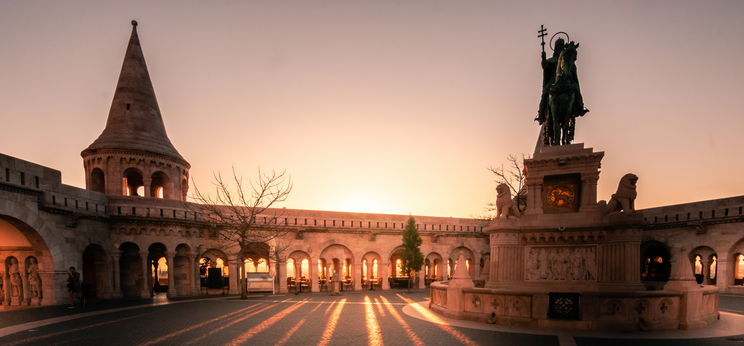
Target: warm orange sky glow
<point>386,106</point>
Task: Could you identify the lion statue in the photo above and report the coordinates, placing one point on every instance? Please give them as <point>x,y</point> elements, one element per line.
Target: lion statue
<point>624,199</point>
<point>505,205</point>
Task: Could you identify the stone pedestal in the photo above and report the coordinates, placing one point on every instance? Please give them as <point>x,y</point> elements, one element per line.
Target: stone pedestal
<point>567,263</point>
<point>460,280</point>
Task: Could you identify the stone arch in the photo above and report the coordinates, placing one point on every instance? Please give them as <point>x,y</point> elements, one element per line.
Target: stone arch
<point>371,265</point>
<point>469,259</point>
<point>736,256</point>
<point>295,260</point>
<point>395,261</point>
<point>133,182</point>
<point>98,180</point>
<point>655,263</point>
<point>23,248</point>
<point>256,257</point>
<point>339,259</point>
<point>433,267</point>
<point>700,261</point>
<point>161,185</point>
<point>208,261</point>
<point>131,275</point>
<point>95,271</point>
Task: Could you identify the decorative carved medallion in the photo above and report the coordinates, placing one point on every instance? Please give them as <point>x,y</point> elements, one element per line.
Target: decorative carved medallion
<point>561,193</point>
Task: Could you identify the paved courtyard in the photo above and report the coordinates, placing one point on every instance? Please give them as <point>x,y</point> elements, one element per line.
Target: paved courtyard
<point>375,318</point>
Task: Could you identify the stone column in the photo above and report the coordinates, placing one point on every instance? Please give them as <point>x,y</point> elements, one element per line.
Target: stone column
<point>314,287</point>
<point>232,265</point>
<point>534,195</point>
<point>681,278</point>
<point>442,270</point>
<point>116,290</point>
<point>170,257</point>
<point>422,279</point>
<point>146,285</point>
<point>147,182</point>
<point>588,192</point>
<point>282,276</point>
<point>196,278</point>
<point>724,274</point>
<point>476,268</point>
<point>383,269</point>
<point>357,276</point>
<point>506,250</point>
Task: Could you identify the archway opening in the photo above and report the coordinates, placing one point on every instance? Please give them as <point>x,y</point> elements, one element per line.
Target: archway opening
<point>655,264</point>
<point>214,272</point>
<point>739,269</point>
<point>160,185</point>
<point>338,259</point>
<point>158,268</point>
<point>97,180</point>
<point>132,182</point>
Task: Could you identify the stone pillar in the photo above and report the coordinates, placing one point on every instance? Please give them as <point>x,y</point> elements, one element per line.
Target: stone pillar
<point>196,278</point>
<point>534,196</point>
<point>460,280</point>
<point>232,265</point>
<point>681,277</point>
<point>314,287</point>
<point>589,191</point>
<point>724,274</point>
<point>116,289</point>
<point>170,257</point>
<point>147,182</point>
<point>476,268</point>
<point>442,270</point>
<point>422,279</point>
<point>357,276</point>
<point>146,285</point>
<point>282,277</point>
<point>506,250</point>
<point>383,269</point>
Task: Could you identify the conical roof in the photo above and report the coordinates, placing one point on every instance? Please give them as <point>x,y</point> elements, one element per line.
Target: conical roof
<point>134,121</point>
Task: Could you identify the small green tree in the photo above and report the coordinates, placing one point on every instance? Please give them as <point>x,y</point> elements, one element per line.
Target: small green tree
<point>412,259</point>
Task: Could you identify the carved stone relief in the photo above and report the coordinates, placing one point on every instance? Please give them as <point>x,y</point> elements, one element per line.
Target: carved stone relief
<point>561,263</point>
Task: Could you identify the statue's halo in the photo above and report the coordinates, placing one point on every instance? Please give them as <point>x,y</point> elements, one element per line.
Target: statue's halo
<point>552,38</point>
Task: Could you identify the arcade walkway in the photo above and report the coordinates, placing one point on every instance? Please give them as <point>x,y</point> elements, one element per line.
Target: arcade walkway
<point>373,318</point>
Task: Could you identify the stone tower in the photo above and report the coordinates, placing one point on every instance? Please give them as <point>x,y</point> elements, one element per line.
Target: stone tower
<point>133,156</point>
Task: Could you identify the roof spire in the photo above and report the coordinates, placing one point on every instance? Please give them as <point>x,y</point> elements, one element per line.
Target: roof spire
<point>134,121</point>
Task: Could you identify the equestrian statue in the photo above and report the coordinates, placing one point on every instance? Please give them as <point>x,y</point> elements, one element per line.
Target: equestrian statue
<point>561,101</point>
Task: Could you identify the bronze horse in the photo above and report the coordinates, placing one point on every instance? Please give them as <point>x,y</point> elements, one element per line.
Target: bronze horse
<point>561,97</point>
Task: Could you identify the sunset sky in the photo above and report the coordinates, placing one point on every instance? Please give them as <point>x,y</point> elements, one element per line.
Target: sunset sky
<point>386,106</point>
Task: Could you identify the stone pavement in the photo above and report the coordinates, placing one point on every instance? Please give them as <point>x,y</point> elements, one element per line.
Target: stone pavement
<point>375,318</point>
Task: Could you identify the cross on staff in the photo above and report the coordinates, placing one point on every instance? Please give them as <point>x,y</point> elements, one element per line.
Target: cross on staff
<point>541,34</point>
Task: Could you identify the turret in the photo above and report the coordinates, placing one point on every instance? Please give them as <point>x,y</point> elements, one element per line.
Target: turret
<point>133,155</point>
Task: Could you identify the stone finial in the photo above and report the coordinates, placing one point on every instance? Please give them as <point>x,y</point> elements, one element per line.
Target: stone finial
<point>134,22</point>
<point>461,270</point>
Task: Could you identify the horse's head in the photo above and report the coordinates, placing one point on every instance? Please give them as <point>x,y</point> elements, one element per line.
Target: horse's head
<point>567,58</point>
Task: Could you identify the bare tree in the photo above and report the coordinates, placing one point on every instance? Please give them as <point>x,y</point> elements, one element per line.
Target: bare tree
<point>512,174</point>
<point>244,214</point>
